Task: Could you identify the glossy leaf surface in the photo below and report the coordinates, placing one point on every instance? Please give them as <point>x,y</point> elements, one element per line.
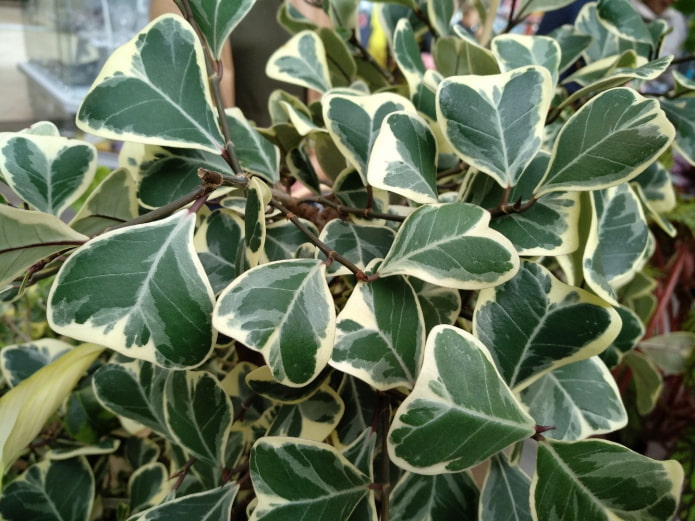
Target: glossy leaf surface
<point>48,172</point>
<point>41,492</point>
<point>451,245</point>
<point>489,125</point>
<point>284,310</point>
<point>505,493</point>
<point>154,90</point>
<point>534,323</point>
<point>380,334</point>
<point>570,483</point>
<point>458,390</point>
<point>296,479</point>
<point>149,297</point>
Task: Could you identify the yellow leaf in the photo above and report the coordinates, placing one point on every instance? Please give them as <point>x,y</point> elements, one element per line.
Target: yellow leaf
<point>25,408</point>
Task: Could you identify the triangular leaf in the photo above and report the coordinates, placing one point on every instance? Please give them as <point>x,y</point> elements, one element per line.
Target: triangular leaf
<point>48,172</point>
<point>451,245</point>
<point>516,50</point>
<point>679,112</point>
<point>566,399</point>
<point>217,241</point>
<point>134,390</point>
<point>380,334</point>
<point>311,419</point>
<point>403,159</point>
<point>620,17</point>
<point>296,479</point>
<point>458,390</point>
<point>456,56</point>
<point>354,122</point>
<point>301,61</point>
<point>610,140</point>
<point>489,125</point>
<point>534,323</point>
<point>154,90</point>
<point>285,311</point>
<point>570,483</point>
<point>140,291</point>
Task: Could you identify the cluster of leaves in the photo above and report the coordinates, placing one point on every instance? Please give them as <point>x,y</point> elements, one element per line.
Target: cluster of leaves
<point>468,279</point>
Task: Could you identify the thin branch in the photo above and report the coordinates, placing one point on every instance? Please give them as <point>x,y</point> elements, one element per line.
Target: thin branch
<point>214,75</point>
<point>366,213</point>
<point>507,209</point>
<point>330,254</point>
<point>210,181</point>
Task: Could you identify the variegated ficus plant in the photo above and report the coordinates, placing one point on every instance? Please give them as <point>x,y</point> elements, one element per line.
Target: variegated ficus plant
<point>426,330</point>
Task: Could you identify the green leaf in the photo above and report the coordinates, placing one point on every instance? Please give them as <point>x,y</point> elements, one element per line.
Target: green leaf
<point>451,245</point>
<point>283,239</point>
<point>154,90</point>
<point>439,305</point>
<point>657,188</point>
<point>113,202</point>
<point>198,414</point>
<point>134,390</point>
<point>311,419</point>
<point>570,483</point>
<point>50,491</point>
<point>301,61</point>
<point>285,311</point>
<point>505,493</point>
<point>406,52</point>
<point>610,140</point>
<point>403,159</point>
<point>354,121</point>
<point>440,14</point>
<point>621,18</point>
<point>20,361</point>
<point>360,405</point>
<point>217,241</point>
<point>211,505</point>
<point>517,50</point>
<point>443,497</point>
<point>256,154</point>
<point>148,485</point>
<point>489,125</point>
<point>298,479</point>
<point>217,19</point>
<point>568,399</point>
<point>140,291</point>
<point>671,352</point>
<point>361,244</point>
<point>609,264</point>
<point>25,409</point>
<point>257,198</point>
<point>648,382</point>
<point>679,112</point>
<point>572,43</point>
<point>166,174</point>
<point>28,237</point>
<point>605,42</point>
<point>458,390</point>
<point>341,64</point>
<point>380,334</point>
<point>455,57</point>
<point>534,323</point>
<point>48,172</point>
<point>631,332</point>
